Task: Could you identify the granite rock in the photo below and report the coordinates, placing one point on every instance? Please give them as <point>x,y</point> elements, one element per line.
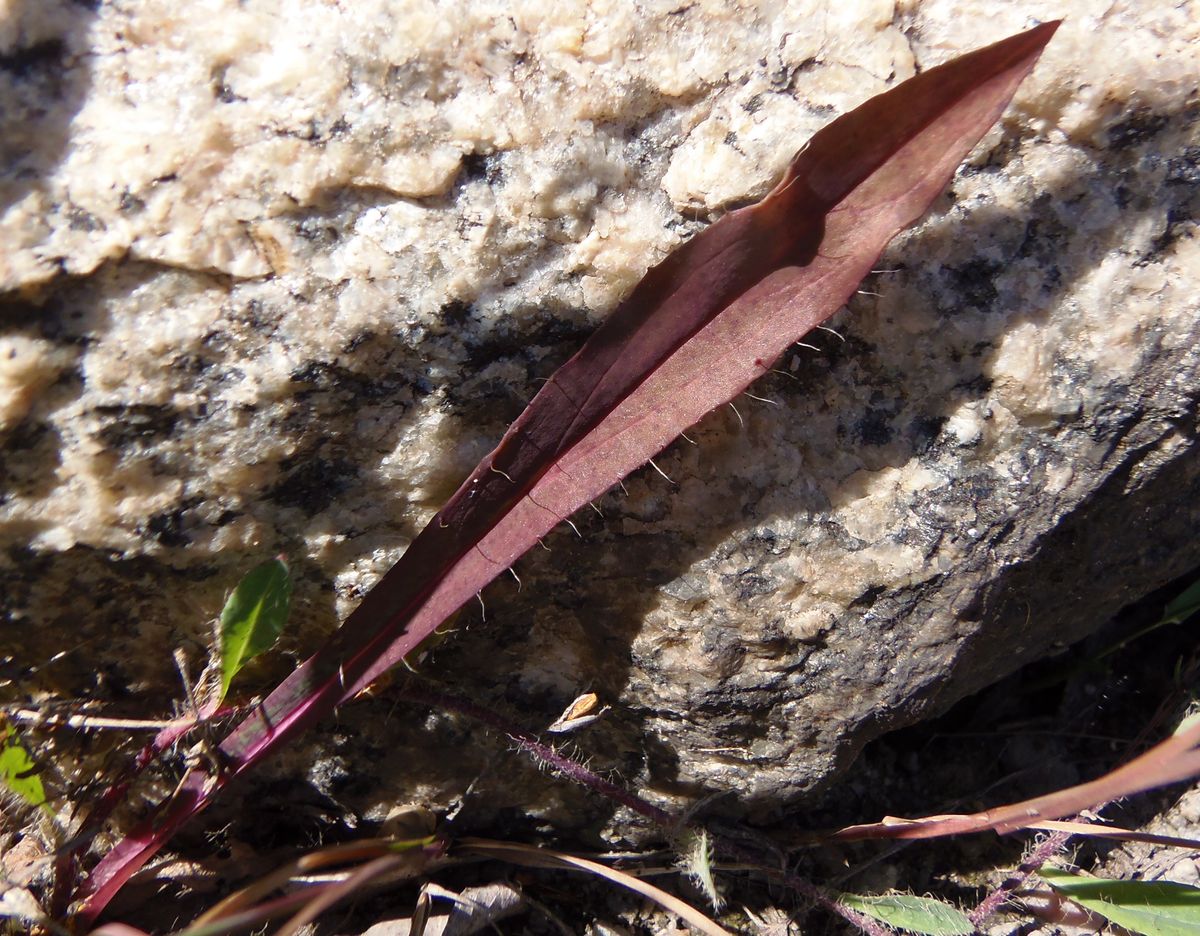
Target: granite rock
<point>276,276</point>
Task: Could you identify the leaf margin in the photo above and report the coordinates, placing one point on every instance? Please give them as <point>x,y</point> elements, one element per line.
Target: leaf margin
<point>901,911</point>
<point>1090,893</point>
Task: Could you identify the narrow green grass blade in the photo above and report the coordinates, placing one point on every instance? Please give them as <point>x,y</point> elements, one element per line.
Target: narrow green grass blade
<point>253,617</point>
<point>17,771</point>
<point>1152,908</point>
<point>1183,606</point>
<point>915,914</point>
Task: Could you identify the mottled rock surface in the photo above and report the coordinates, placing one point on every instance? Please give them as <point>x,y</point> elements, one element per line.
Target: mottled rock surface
<point>276,276</point>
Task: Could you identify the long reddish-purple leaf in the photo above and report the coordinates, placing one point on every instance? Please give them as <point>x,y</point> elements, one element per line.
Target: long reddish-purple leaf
<point>697,330</point>
<point>1171,761</point>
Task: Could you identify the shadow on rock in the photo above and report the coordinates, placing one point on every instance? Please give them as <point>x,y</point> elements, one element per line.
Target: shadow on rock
<point>44,79</point>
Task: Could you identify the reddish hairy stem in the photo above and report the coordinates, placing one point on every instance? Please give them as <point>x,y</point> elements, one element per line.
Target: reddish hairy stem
<point>545,753</point>
<point>1050,847</point>
<point>575,771</point>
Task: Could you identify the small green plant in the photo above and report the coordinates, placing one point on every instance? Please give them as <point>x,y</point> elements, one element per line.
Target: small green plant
<point>18,770</point>
<point>253,618</point>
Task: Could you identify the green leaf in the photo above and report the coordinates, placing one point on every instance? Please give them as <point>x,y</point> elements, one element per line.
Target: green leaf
<point>1152,908</point>
<point>17,770</point>
<point>1183,606</point>
<point>916,914</point>
<point>253,617</point>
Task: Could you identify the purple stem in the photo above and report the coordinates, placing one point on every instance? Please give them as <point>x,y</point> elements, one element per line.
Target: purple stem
<point>113,796</point>
<point>1043,853</point>
<point>575,771</point>
<point>545,753</point>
